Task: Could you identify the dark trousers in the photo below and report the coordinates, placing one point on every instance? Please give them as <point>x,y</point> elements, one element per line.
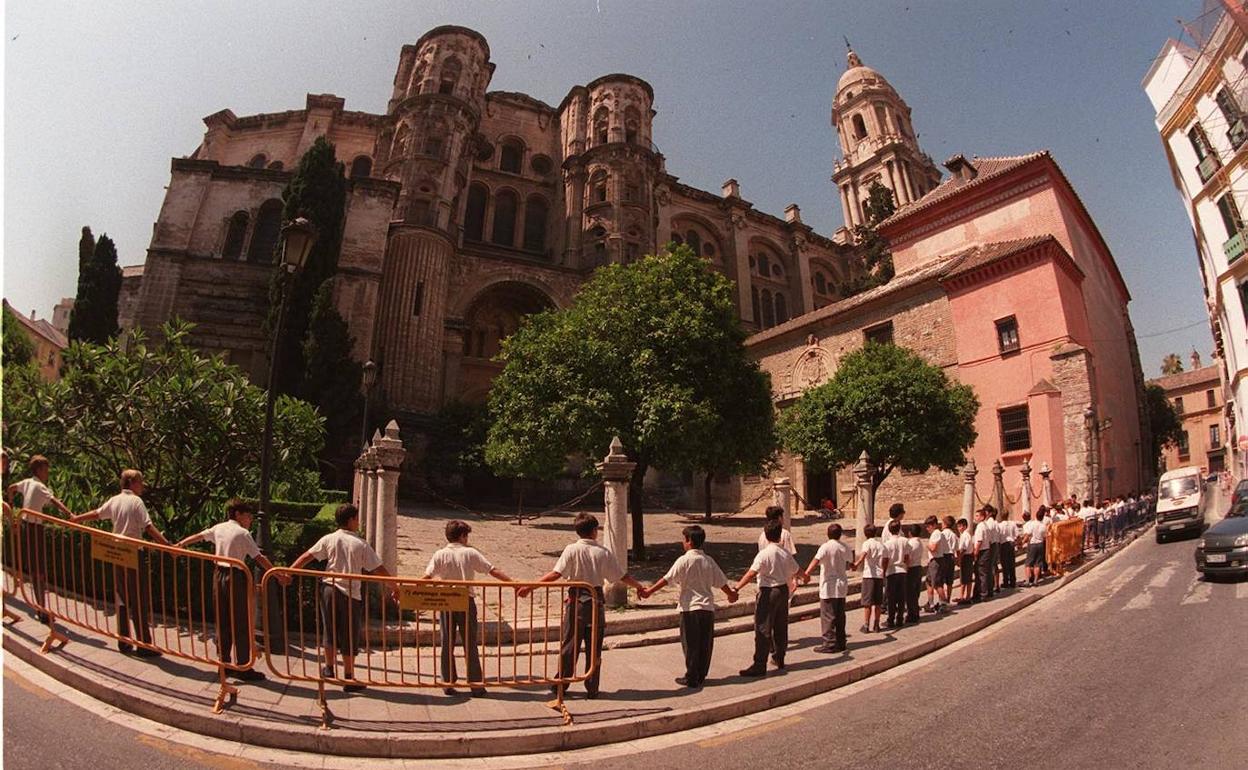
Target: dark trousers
<point>230,592</point>
<point>1009,575</point>
<point>914,586</point>
<point>983,575</point>
<point>832,621</point>
<point>697,640</point>
<point>994,563</point>
<point>132,601</point>
<point>771,624</point>
<point>465,625</point>
<point>577,632</point>
<point>895,597</point>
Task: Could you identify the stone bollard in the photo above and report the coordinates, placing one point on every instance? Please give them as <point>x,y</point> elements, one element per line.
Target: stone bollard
<point>368,501</point>
<point>998,486</point>
<point>1025,496</point>
<point>390,454</point>
<point>357,478</point>
<point>969,472</point>
<point>782,495</point>
<point>864,475</point>
<point>1046,485</point>
<point>616,473</point>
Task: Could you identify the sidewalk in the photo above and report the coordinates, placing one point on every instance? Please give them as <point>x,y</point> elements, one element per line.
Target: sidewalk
<point>639,697</point>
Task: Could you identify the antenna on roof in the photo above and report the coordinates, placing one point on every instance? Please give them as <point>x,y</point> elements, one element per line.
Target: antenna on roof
<point>848,47</point>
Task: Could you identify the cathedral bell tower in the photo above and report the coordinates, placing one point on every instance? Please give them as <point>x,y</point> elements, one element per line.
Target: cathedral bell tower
<point>878,143</point>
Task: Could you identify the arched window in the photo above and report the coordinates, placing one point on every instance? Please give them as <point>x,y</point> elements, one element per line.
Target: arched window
<point>695,242</point>
<point>535,209</point>
<point>361,167</point>
<point>821,284</point>
<point>764,266</point>
<point>600,125</point>
<point>418,80</point>
<point>782,308</point>
<point>598,187</point>
<point>504,233</point>
<point>755,304</point>
<point>860,127</point>
<point>769,314</point>
<point>450,76</point>
<point>399,148</point>
<point>632,125</point>
<point>511,156</point>
<point>676,238</point>
<point>433,145</point>
<point>234,235</point>
<point>264,234</point>
<point>600,245</point>
<point>474,216</point>
<point>276,165</point>
<point>259,160</point>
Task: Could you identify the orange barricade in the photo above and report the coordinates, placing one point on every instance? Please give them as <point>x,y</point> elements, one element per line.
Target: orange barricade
<point>12,577</point>
<point>404,632</point>
<point>175,599</point>
<point>1063,544</point>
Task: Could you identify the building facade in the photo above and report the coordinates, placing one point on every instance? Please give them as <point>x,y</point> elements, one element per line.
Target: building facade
<point>1197,398</point>
<point>48,341</point>
<point>1200,94</point>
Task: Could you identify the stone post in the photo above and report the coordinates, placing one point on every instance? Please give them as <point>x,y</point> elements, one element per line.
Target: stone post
<point>1046,485</point>
<point>616,472</point>
<point>368,500</point>
<point>390,454</point>
<point>864,473</point>
<point>969,472</point>
<point>782,495</point>
<point>1025,495</point>
<point>357,484</point>
<point>998,485</point>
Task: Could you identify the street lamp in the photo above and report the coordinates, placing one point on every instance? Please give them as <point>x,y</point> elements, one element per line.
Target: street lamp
<point>297,239</point>
<point>370,378</point>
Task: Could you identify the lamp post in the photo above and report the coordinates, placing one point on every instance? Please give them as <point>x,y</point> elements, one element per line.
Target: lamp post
<point>369,372</point>
<point>297,239</point>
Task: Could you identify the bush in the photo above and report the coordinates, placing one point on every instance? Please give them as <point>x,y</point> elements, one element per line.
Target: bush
<point>336,496</point>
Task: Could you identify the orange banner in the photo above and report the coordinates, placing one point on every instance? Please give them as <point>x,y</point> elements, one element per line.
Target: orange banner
<point>1063,544</point>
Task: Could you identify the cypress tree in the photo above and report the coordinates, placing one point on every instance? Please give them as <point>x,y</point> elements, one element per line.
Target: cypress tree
<point>94,316</point>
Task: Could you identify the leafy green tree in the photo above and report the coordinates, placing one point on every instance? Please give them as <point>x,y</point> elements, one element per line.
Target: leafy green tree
<point>1164,424</point>
<point>457,435</point>
<point>18,349</point>
<point>905,412</point>
<point>94,316</point>
<point>877,260</point>
<point>331,378</point>
<point>644,352</point>
<point>189,422</point>
<point>86,247</point>
<point>17,361</point>
<point>1171,364</point>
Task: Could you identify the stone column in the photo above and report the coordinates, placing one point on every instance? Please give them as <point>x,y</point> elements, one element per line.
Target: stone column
<point>864,473</point>
<point>782,495</point>
<point>616,472</point>
<point>853,204</point>
<point>390,454</point>
<point>998,485</point>
<point>1025,495</point>
<point>1046,485</point>
<point>357,483</point>
<point>368,500</point>
<point>969,472</point>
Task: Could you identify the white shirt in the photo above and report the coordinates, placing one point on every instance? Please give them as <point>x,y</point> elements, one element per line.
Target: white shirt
<point>1009,530</point>
<point>873,555</point>
<point>834,558</point>
<point>456,561</point>
<point>786,541</point>
<point>982,536</point>
<point>951,540</point>
<point>1035,530</point>
<point>774,566</point>
<point>586,560</point>
<point>914,549</point>
<point>698,576</point>
<point>230,539</point>
<point>895,551</point>
<point>345,551</point>
<point>35,495</point>
<point>992,534</point>
<point>965,546</point>
<point>127,513</point>
<point>1088,513</point>
<point>937,538</point>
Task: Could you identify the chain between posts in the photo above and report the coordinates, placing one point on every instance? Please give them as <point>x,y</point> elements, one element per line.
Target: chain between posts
<point>715,517</point>
<point>517,517</point>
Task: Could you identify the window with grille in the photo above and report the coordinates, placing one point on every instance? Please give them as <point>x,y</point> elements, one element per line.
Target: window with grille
<point>1211,400</point>
<point>1184,450</point>
<point>1215,436</point>
<point>1015,428</point>
<point>881,334</point>
<point>1007,335</point>
<point>1178,405</point>
<point>1231,219</point>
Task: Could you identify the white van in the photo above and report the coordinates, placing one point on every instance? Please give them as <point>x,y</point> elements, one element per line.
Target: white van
<point>1181,502</point>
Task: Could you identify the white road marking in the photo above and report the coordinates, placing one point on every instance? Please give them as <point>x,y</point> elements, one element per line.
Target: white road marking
<point>1141,601</point>
<point>1116,585</point>
<point>1241,590</point>
<point>1144,599</point>
<point>1198,592</point>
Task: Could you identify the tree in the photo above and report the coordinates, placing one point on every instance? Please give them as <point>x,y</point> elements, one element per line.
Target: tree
<point>904,412</point>
<point>18,349</point>
<point>1171,364</point>
<point>457,435</point>
<point>876,259</point>
<point>644,353</point>
<point>188,421</point>
<point>1164,424</point>
<point>331,378</point>
<point>94,316</point>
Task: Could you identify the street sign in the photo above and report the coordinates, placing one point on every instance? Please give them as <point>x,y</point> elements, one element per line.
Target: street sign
<point>115,552</point>
<point>433,596</point>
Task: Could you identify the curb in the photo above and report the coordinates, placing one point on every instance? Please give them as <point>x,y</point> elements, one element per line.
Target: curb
<point>442,745</point>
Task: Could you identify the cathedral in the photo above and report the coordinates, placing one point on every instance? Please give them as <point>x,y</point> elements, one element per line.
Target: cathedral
<point>469,209</point>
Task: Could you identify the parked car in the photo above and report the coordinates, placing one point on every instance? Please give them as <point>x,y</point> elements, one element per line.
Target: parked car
<point>1224,548</point>
<point>1181,502</point>
<point>1240,493</point>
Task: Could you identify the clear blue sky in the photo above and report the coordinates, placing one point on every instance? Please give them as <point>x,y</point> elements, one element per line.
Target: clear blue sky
<point>99,97</point>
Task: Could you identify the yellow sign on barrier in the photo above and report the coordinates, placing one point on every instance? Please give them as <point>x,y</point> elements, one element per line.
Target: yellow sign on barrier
<point>117,552</point>
<point>434,597</point>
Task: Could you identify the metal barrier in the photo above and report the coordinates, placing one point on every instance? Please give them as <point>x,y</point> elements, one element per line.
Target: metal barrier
<point>8,559</point>
<point>1063,544</point>
<point>75,574</point>
<point>402,632</point>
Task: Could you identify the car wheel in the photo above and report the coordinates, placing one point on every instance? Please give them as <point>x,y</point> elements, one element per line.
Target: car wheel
<point>1160,538</point>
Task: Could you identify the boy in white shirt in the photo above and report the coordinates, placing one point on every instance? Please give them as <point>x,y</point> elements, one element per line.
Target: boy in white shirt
<point>981,543</point>
<point>895,575</point>
<point>776,513</point>
<point>698,576</point>
<point>914,570</point>
<point>966,561</point>
<point>35,496</point>
<point>872,562</point>
<point>458,561</point>
<point>833,559</point>
<point>1007,534</point>
<point>1033,541</point>
<point>232,539</point>
<point>342,604</point>
<point>775,568</point>
<point>937,546</point>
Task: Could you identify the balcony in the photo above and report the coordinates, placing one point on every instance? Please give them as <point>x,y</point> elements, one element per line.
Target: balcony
<point>1237,133</point>
<point>1234,247</point>
<point>1208,167</point>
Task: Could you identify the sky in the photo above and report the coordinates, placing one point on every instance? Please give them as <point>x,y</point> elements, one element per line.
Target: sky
<point>100,96</point>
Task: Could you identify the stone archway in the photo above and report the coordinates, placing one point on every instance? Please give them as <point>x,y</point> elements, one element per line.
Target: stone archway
<point>492,316</point>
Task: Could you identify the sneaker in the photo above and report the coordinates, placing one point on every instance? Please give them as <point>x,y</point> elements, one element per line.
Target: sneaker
<point>865,629</point>
<point>328,673</point>
<point>682,681</point>
<point>250,675</point>
<point>753,672</point>
<point>477,692</point>
<point>125,649</point>
<point>827,648</point>
<point>777,661</point>
<point>449,691</point>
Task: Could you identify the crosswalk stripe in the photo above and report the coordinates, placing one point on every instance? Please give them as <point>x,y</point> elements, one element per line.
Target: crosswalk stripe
<point>1163,576</point>
<point>1116,585</point>
<point>1141,601</point>
<point>1241,590</point>
<point>1144,599</point>
<point>1198,592</point>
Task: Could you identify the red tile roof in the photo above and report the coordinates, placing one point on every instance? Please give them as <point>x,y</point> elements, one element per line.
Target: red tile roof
<point>986,169</point>
<point>1187,379</point>
<point>984,254</point>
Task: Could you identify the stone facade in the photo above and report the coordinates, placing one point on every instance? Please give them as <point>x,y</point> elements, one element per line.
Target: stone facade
<point>1197,396</point>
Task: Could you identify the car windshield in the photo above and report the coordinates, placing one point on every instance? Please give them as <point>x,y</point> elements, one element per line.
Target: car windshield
<point>1239,509</point>
<point>1185,485</point>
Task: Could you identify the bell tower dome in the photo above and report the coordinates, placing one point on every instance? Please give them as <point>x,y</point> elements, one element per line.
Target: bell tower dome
<point>878,143</point>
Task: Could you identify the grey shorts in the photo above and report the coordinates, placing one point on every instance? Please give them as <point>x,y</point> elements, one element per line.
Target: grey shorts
<point>935,572</point>
<point>872,592</point>
<point>1035,554</point>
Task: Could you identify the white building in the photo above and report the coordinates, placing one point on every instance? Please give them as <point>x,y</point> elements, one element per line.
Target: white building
<point>1201,99</point>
